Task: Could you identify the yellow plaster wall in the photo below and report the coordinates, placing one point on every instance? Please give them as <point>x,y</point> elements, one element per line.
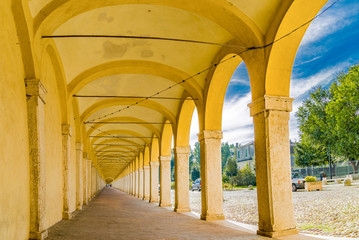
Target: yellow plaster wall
<point>53,150</point>
<point>14,156</point>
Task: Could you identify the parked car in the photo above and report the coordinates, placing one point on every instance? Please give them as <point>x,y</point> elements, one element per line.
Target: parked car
<point>196,185</point>
<point>297,182</point>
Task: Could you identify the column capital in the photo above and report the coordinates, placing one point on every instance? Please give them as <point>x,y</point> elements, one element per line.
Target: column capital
<point>35,88</point>
<point>79,146</point>
<point>140,170</point>
<point>210,134</point>
<point>85,155</point>
<point>153,164</point>
<point>266,103</point>
<point>66,130</point>
<point>181,150</point>
<point>146,167</point>
<point>164,158</point>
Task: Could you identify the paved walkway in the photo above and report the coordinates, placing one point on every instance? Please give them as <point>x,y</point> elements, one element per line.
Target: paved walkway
<point>116,215</point>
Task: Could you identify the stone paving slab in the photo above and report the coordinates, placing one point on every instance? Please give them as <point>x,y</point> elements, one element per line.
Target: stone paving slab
<point>116,215</point>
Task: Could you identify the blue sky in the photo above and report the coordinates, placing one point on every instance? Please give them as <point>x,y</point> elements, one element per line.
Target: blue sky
<point>330,46</point>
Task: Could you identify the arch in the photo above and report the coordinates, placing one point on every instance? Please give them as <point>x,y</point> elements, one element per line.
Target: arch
<point>166,140</point>
<point>146,156</point>
<point>140,159</point>
<point>109,180</point>
<point>216,92</point>
<point>123,150</point>
<point>60,79</point>
<point>155,149</point>
<point>116,102</point>
<point>145,124</point>
<point>117,140</point>
<point>184,121</point>
<point>277,80</point>
<point>124,132</point>
<point>57,12</point>
<point>23,24</point>
<point>135,67</point>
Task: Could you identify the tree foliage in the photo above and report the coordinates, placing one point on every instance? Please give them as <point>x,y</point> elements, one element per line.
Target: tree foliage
<point>231,167</point>
<point>195,162</point>
<point>329,122</point>
<point>343,109</point>
<point>225,153</point>
<point>245,177</point>
<point>307,154</point>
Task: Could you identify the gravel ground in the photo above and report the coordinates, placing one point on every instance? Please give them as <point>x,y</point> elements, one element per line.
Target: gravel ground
<point>331,212</point>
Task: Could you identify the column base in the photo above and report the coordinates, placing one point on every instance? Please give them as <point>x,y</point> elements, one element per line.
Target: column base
<point>67,215</point>
<point>79,208</point>
<point>85,203</point>
<point>146,198</point>
<point>140,197</point>
<point>278,233</point>
<point>180,210</point>
<point>212,217</point>
<point>38,235</point>
<point>153,201</point>
<point>165,205</point>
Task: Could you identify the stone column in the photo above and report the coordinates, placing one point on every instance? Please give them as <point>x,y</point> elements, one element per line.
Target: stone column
<point>93,181</point>
<point>89,180</point>
<point>165,181</point>
<point>154,182</point>
<point>181,179</point>
<point>136,183</point>
<point>211,175</point>
<point>79,176</point>
<point>275,207</point>
<point>140,183</point>
<point>86,178</point>
<point>36,99</point>
<point>146,183</point>
<point>130,183</point>
<point>66,157</point>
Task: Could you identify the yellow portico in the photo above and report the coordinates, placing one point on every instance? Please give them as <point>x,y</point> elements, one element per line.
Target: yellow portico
<point>93,92</point>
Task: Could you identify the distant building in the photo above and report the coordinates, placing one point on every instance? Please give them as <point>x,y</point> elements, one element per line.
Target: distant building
<point>244,154</point>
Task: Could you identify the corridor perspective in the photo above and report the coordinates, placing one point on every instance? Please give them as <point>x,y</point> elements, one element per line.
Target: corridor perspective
<point>114,215</point>
<point>103,91</point>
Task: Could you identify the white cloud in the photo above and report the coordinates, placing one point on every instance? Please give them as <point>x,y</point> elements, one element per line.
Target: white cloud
<point>237,125</point>
<point>236,80</point>
<point>328,23</point>
<point>301,86</point>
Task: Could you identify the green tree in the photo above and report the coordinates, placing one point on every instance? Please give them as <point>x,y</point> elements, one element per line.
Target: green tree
<point>231,167</point>
<point>344,110</point>
<point>225,154</point>
<point>195,162</point>
<point>245,177</point>
<point>307,154</point>
<point>315,127</point>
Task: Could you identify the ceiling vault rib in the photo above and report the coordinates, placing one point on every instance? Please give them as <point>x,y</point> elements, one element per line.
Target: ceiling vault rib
<point>117,137</point>
<point>137,97</point>
<point>150,123</point>
<point>120,145</point>
<point>140,37</point>
<point>115,151</point>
